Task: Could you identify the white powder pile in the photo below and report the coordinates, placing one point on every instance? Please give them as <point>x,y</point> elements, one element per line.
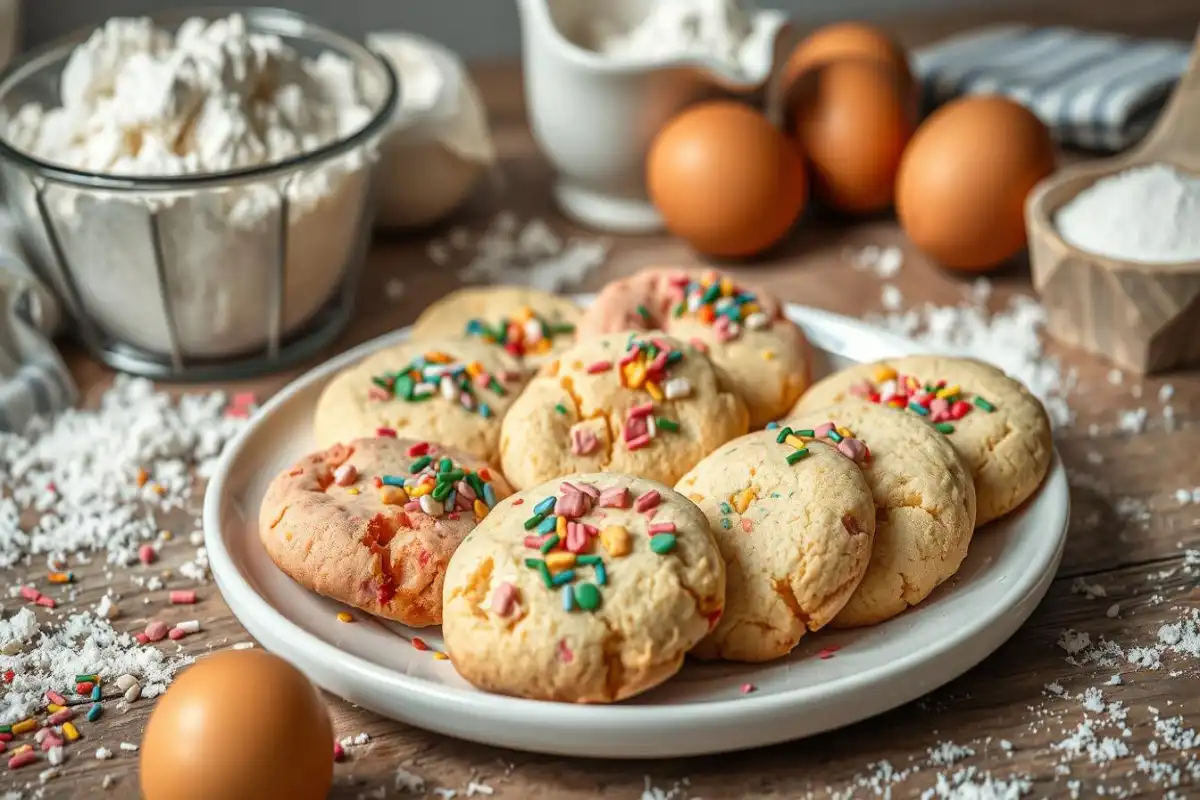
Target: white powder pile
<point>1148,214</point>
<point>47,657</point>
<point>718,29</point>
<point>80,472</point>
<point>213,97</point>
<point>527,254</point>
<point>1010,339</point>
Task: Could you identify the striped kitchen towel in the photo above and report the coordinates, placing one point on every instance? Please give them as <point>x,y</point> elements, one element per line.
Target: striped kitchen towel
<point>1094,90</point>
<point>33,379</point>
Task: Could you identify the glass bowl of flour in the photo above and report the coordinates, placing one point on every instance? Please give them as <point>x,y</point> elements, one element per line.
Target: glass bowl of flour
<point>197,186</point>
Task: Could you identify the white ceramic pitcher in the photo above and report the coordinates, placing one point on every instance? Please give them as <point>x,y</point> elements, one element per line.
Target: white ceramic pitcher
<point>594,115</point>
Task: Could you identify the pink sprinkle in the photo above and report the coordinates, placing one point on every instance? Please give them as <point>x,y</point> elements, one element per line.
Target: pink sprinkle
<point>182,597</point>
<point>635,427</point>
<point>339,752</point>
<point>378,394</point>
<point>721,324</point>
<point>31,594</point>
<point>46,602</point>
<point>852,449</point>
<point>747,525</point>
<point>61,716</point>
<point>661,344</point>
<point>141,638</point>
<point>412,505</point>
<point>589,490</point>
<point>639,442</point>
<point>518,501</point>
<point>567,487</point>
<point>726,334</point>
<point>679,280</point>
<point>146,554</point>
<point>698,344</point>
<point>822,430</point>
<point>651,514</point>
<point>648,501</point>
<point>176,633</point>
<point>564,653</point>
<point>466,401</point>
<point>22,759</point>
<point>156,630</point>
<point>577,539</point>
<point>829,651</point>
<point>452,515</point>
<point>572,505</point>
<point>861,389</point>
<point>615,497</point>
<point>629,356</point>
<point>533,542</point>
<point>388,433</point>
<point>504,599</point>
<point>583,441</point>
<point>345,475</point>
<point>747,688</point>
<point>590,530</point>
<point>599,366</point>
<point>661,527</point>
<point>483,379</point>
<point>55,697</point>
<point>659,363</point>
<point>418,449</point>
<point>641,410</point>
<point>50,740</point>
<point>243,399</point>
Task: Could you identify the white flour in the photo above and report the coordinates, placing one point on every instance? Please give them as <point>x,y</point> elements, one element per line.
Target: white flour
<point>1148,214</point>
<point>215,97</point>
<point>718,29</point>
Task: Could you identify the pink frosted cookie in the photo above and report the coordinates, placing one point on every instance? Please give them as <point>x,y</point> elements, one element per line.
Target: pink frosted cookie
<point>373,522</point>
<point>763,355</point>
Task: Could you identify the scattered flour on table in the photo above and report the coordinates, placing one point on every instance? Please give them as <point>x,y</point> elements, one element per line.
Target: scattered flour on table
<point>525,254</point>
<point>884,262</point>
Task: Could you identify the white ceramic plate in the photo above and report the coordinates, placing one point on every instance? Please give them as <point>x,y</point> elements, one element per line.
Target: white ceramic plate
<point>374,664</point>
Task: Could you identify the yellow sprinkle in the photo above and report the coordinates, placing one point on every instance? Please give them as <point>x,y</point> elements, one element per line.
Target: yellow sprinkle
<point>726,287</point>
<point>615,539</point>
<point>158,489</point>
<point>352,490</point>
<point>749,309</point>
<point>696,498</point>
<point>949,391</point>
<point>287,536</point>
<point>884,374</point>
<point>24,726</point>
<point>474,368</point>
<point>481,509</point>
<point>52,707</point>
<point>560,527</point>
<point>654,391</point>
<point>912,384</point>
<point>70,731</point>
<point>167,536</point>
<point>25,748</point>
<point>558,560</point>
<point>794,441</point>
<point>420,489</point>
<point>523,314</point>
<point>440,656</point>
<point>540,346</point>
<point>845,433</point>
<point>393,496</point>
<point>635,374</point>
<point>438,357</point>
<point>344,616</point>
<point>741,500</point>
<point>768,355</point>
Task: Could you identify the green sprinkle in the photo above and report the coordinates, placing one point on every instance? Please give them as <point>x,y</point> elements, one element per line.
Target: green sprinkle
<point>678,310</point>
<point>984,404</point>
<point>442,491</point>
<point>726,508</point>
<point>564,577</point>
<point>783,434</point>
<point>476,483</point>
<point>587,596</point>
<point>643,312</point>
<point>944,427</point>
<point>560,408</point>
<point>805,432</point>
<point>562,327</point>
<point>724,523</point>
<point>834,435</point>
<point>403,387</point>
<point>796,455</point>
<point>452,476</point>
<point>497,387</point>
<point>713,292</point>
<point>667,424</point>
<point>383,382</point>
<point>86,678</point>
<point>550,543</point>
<point>5,728</point>
<point>534,521</point>
<point>445,465</point>
<point>588,560</point>
<point>674,355</point>
<point>420,464</point>
<point>543,570</point>
<point>662,543</point>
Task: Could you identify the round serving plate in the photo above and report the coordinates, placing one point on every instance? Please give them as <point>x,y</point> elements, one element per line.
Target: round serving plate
<point>832,679</point>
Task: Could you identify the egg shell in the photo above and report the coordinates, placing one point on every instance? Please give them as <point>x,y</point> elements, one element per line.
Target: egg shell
<point>963,182</point>
<point>852,120</point>
<point>725,179</point>
<point>238,725</point>
<point>849,40</point>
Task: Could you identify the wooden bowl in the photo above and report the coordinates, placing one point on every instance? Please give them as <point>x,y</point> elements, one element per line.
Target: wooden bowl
<point>1143,317</point>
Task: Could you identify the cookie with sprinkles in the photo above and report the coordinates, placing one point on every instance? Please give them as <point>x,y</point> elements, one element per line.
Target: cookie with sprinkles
<point>794,520</point>
<point>587,589</point>
<point>527,323</point>
<point>637,403</point>
<point>450,391</point>
<point>764,355</point>
<point>924,505</point>
<point>373,522</point>
<point>996,425</point>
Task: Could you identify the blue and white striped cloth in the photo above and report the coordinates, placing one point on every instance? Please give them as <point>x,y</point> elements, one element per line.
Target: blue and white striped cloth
<point>1094,90</point>
<point>33,379</point>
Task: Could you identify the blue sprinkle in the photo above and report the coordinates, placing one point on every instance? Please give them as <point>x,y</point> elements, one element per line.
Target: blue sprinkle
<point>93,713</point>
<point>546,505</point>
<point>917,407</point>
<point>725,523</point>
<point>772,426</point>
<point>474,326</point>
<point>547,525</point>
<point>726,508</point>
<point>564,577</point>
<point>485,410</point>
<point>489,495</point>
<point>568,598</point>
<point>601,575</point>
<point>392,480</point>
<point>96,693</point>
<point>674,356</point>
<point>450,499</point>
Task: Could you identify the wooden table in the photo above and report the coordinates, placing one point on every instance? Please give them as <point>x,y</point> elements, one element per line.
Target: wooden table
<point>1138,558</point>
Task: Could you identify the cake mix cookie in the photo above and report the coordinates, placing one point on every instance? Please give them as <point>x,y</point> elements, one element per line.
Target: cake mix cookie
<point>373,522</point>
<point>794,521</point>
<point>744,332</point>
<point>584,590</point>
<point>640,404</point>
<point>447,391</point>
<point>924,501</point>
<point>527,323</point>
<point>997,426</point>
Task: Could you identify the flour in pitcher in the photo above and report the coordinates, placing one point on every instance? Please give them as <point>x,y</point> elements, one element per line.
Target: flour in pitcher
<point>715,29</point>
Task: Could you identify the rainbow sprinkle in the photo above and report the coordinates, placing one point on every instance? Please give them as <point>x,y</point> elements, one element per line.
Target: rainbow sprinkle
<point>939,402</point>
<point>843,438</point>
<point>525,333</point>
<point>718,302</point>
<point>645,366</point>
<point>437,373</point>
<point>436,486</point>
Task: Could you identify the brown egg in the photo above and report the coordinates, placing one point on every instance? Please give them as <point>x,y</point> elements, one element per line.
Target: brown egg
<point>852,120</point>
<point>849,40</point>
<point>960,193</point>
<point>238,725</point>
<point>725,180</point>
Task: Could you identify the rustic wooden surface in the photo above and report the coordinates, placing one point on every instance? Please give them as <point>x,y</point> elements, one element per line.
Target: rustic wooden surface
<point>1137,557</point>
